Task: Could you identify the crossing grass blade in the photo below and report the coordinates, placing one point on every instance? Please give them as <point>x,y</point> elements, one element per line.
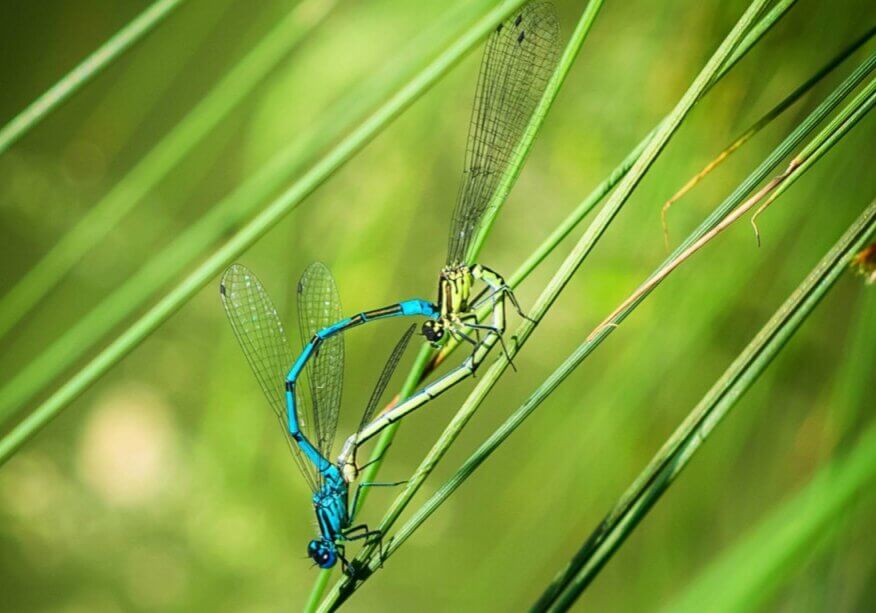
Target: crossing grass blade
<point>678,450</point>
<point>246,236</point>
<point>159,162</point>
<point>427,360</point>
<point>86,70</point>
<point>219,221</point>
<point>768,555</point>
<point>345,587</point>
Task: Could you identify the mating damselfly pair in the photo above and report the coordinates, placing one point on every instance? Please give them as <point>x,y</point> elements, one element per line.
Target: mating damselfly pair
<point>518,61</point>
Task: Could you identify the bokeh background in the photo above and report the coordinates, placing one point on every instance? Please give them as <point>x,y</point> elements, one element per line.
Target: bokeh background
<point>167,486</point>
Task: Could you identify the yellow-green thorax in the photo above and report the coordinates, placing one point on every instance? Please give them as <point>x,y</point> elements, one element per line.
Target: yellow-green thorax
<point>454,290</point>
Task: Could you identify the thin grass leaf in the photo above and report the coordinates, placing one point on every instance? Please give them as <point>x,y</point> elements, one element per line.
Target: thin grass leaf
<point>427,360</point>
<point>250,233</point>
<point>222,219</point>
<point>828,137</point>
<point>758,125</point>
<point>347,586</point>
<point>715,405</point>
<point>596,196</point>
<point>423,367</point>
<point>762,560</point>
<point>86,70</point>
<point>838,127</point>
<point>130,190</point>
<point>586,348</point>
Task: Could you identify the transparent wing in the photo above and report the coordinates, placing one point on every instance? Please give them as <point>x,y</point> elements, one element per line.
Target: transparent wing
<point>518,61</point>
<point>319,306</point>
<point>386,375</point>
<point>261,336</point>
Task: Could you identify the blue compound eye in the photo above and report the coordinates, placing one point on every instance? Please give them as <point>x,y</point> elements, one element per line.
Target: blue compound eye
<point>322,553</point>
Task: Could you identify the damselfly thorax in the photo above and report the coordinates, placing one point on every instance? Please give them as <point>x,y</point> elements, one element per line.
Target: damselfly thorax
<point>455,306</point>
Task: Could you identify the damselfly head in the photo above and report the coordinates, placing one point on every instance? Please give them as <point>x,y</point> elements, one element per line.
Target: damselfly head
<point>433,330</point>
<point>322,552</point>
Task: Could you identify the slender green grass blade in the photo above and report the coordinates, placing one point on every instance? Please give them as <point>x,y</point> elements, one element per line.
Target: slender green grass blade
<point>344,588</point>
<point>766,119</point>
<point>159,162</point>
<point>250,233</point>
<point>711,410</point>
<point>749,573</point>
<point>587,205</point>
<point>317,590</point>
<point>222,219</point>
<point>90,67</point>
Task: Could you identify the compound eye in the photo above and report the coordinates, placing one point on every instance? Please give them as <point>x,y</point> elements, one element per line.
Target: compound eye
<point>429,331</point>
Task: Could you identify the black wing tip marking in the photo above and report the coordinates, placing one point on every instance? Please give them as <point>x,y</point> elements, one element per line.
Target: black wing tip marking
<point>222,290</point>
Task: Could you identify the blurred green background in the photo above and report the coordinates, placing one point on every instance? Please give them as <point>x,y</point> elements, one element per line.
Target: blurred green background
<point>167,486</point>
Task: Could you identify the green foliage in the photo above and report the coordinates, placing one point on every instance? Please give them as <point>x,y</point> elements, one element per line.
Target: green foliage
<point>168,464</point>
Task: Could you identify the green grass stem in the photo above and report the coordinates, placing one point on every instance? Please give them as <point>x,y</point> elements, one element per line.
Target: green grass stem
<point>163,158</point>
<point>86,70</point>
<point>698,425</point>
<point>763,559</point>
<point>219,221</point>
<point>347,586</point>
<point>249,234</point>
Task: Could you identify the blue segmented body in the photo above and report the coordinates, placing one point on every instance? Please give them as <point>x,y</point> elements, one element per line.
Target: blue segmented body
<point>412,308</point>
<point>261,335</point>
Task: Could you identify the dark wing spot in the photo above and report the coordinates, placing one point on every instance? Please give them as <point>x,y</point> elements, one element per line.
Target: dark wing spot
<point>499,27</point>
<point>518,20</point>
<point>522,36</point>
<point>222,288</point>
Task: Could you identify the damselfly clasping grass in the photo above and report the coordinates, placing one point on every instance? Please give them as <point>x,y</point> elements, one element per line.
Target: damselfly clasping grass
<point>708,396</point>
